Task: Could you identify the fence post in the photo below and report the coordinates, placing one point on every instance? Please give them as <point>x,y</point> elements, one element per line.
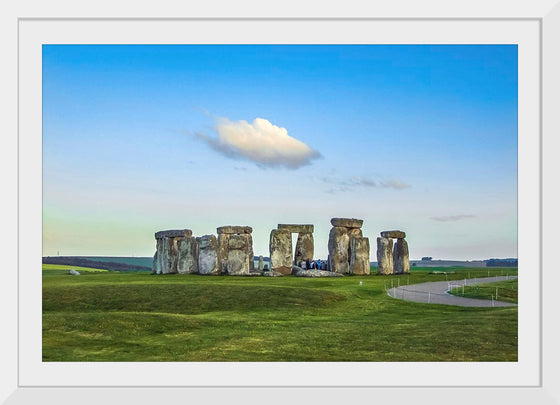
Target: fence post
<point>429,295</point>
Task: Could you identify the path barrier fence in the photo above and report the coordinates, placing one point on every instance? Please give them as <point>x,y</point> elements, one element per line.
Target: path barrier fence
<point>413,293</point>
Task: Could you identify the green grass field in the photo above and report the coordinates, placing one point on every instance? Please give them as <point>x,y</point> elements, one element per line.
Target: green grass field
<point>107,316</point>
<point>504,290</point>
<point>52,269</point>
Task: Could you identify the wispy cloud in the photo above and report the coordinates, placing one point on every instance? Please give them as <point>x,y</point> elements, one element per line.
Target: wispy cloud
<point>260,142</point>
<point>452,218</point>
<point>351,183</point>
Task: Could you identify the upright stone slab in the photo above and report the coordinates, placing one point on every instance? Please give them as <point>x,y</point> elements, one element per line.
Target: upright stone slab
<point>355,233</point>
<point>384,255</point>
<point>208,262</point>
<point>401,261</point>
<point>261,263</point>
<point>238,255</point>
<point>338,250</point>
<point>223,239</point>
<point>169,256</point>
<point>359,256</point>
<point>280,247</point>
<point>304,247</point>
<point>157,264</point>
<point>187,255</point>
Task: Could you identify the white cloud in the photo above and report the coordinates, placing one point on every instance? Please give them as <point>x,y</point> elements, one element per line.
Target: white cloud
<point>452,218</point>
<point>394,183</point>
<point>261,142</point>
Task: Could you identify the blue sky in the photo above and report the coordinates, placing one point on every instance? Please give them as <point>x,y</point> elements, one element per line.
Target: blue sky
<point>142,138</point>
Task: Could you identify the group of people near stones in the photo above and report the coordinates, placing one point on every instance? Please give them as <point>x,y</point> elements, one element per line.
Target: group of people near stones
<point>316,264</point>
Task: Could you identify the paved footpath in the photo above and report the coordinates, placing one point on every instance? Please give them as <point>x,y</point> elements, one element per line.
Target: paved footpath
<point>437,292</point>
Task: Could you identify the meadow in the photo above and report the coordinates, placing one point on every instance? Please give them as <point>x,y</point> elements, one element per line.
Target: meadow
<point>504,291</point>
<point>112,316</point>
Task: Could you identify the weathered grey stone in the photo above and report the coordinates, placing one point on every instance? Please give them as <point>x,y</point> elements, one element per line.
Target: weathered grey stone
<point>237,263</point>
<point>261,263</point>
<point>173,233</point>
<point>355,233</point>
<point>359,256</point>
<point>272,273</point>
<point>393,234</point>
<point>338,250</point>
<point>154,263</point>
<point>401,262</point>
<point>229,229</point>
<point>297,228</point>
<point>280,247</point>
<point>157,266</point>
<point>347,222</point>
<point>208,262</point>
<point>223,239</point>
<point>169,257</point>
<point>250,252</point>
<point>238,242</point>
<point>73,272</point>
<point>187,255</point>
<point>384,255</point>
<point>304,247</point>
<point>299,272</point>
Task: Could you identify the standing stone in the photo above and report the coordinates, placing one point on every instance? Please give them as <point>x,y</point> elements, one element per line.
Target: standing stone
<point>250,253</point>
<point>237,262</point>
<point>261,263</point>
<point>223,239</point>
<point>173,257</point>
<point>400,257</point>
<point>208,262</point>
<point>158,260</point>
<point>187,255</point>
<point>280,247</point>
<point>338,250</point>
<point>384,256</point>
<point>355,233</point>
<point>239,247</point>
<point>304,247</point>
<point>359,258</point>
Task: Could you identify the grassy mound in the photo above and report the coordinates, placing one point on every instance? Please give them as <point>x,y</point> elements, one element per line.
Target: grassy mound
<point>140,317</point>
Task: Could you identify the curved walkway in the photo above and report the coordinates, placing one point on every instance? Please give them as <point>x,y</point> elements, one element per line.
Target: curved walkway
<point>437,292</point>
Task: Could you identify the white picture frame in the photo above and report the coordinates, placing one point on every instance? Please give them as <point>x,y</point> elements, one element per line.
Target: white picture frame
<point>545,14</point>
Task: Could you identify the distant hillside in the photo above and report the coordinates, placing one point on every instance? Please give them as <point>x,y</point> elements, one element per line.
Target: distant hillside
<point>129,264</point>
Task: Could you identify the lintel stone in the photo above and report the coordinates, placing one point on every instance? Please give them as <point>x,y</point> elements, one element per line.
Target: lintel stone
<point>393,234</point>
<point>297,228</point>
<point>229,229</point>
<point>173,233</point>
<point>347,222</point>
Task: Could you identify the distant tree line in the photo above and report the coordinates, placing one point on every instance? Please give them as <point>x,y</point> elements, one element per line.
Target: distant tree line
<point>81,262</point>
<point>501,263</point>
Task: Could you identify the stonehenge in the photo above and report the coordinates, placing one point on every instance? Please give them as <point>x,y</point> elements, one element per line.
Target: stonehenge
<point>235,247</point>
<point>231,251</point>
<point>392,260</point>
<point>177,251</point>
<point>348,249</point>
<point>280,246</point>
